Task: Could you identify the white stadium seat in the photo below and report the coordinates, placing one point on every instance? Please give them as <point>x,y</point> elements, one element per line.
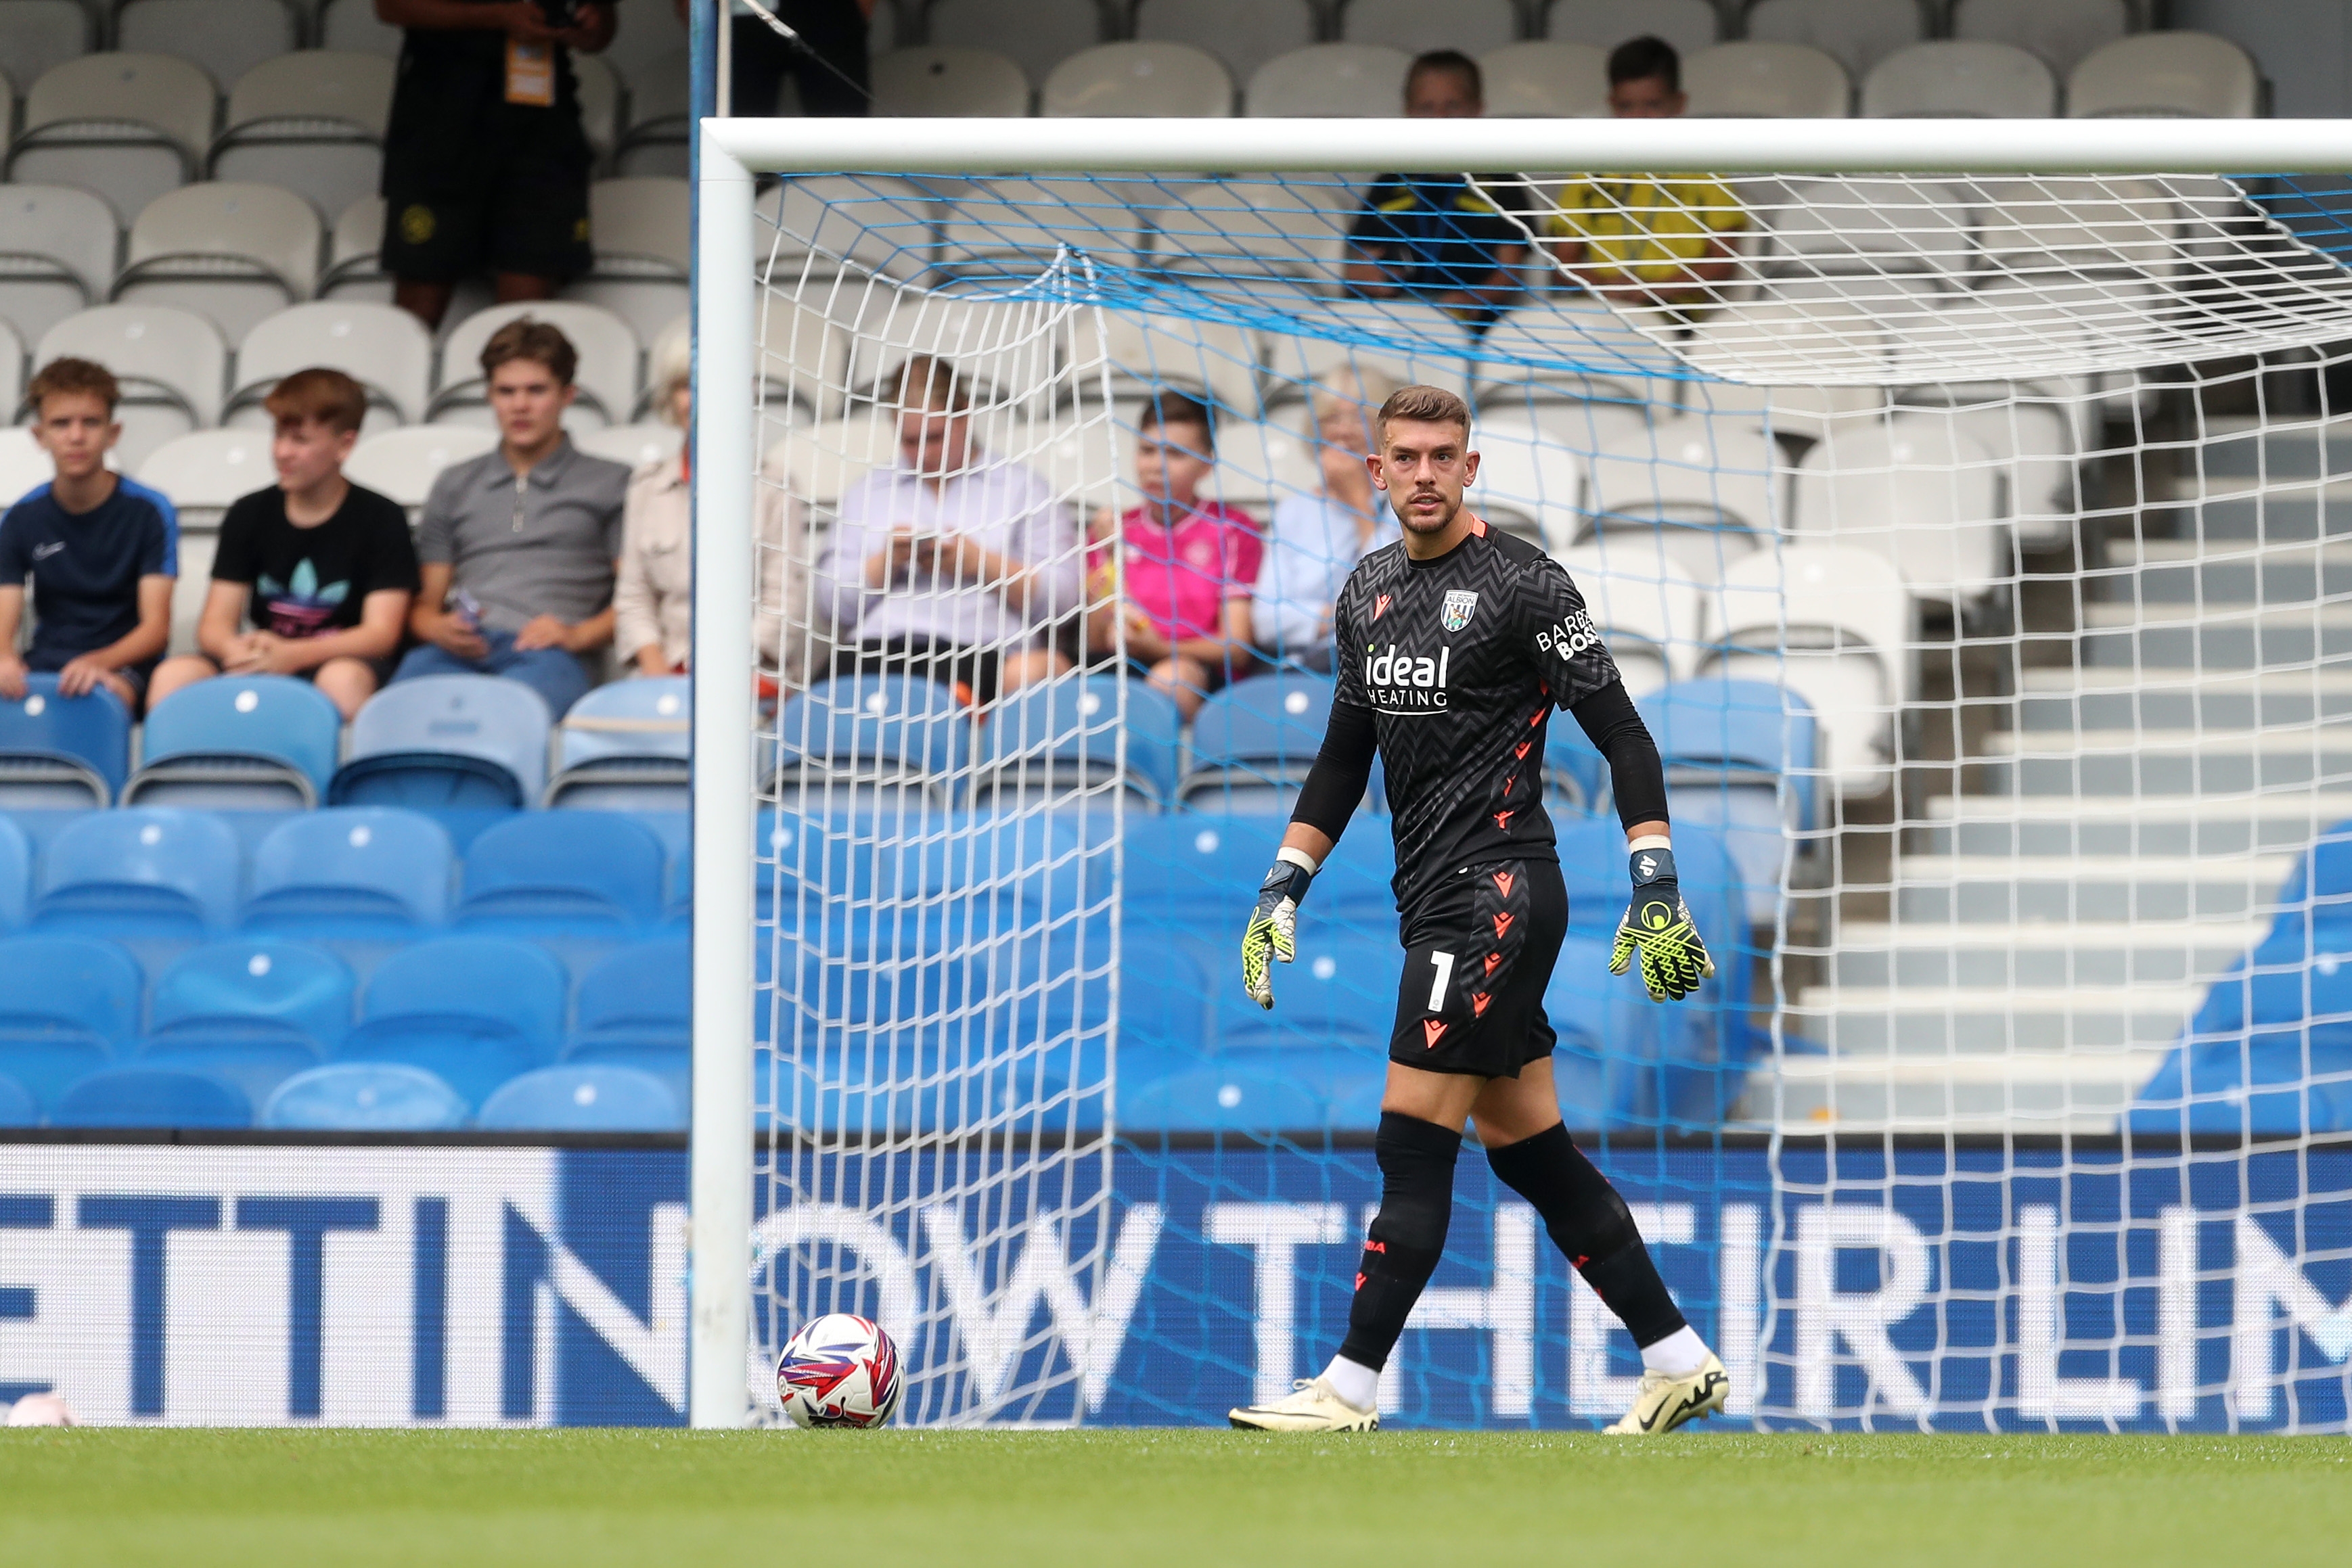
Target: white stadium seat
<point>633,445</point>
<point>1858,33</point>
<point>1577,328</point>
<point>226,38</point>
<point>172,365</point>
<point>36,35</point>
<point>818,462</point>
<point>1529,482</point>
<point>2192,75</point>
<point>829,224</point>
<point>2072,226</point>
<point>1689,25</point>
<point>803,359</point>
<point>1215,357</point>
<point>312,123</point>
<point>1960,77</point>
<point>1546,79</point>
<point>1916,489</point>
<point>353,269</point>
<point>1707,489</point>
<point>128,126</point>
<point>637,230</point>
<point>402,463</point>
<point>12,371</point>
<point>1039,34</point>
<point>233,252</point>
<point>1472,27</point>
<point>353,24</point>
<point>1650,615</point>
<point>1787,342</point>
<point>608,350</point>
<point>205,470</point>
<point>944,79</point>
<point>1008,349</point>
<point>649,32</point>
<point>2061,31</point>
<point>1244,33</point>
<point>1387,335</point>
<point>58,251</point>
<point>1865,228</point>
<point>24,467</point>
<point>1257,465</point>
<point>1210,233</point>
<point>1758,80</point>
<point>660,106</point>
<point>1329,81</point>
<point>384,348</point>
<point>1014,226</point>
<point>1120,81</point>
<point>600,102</point>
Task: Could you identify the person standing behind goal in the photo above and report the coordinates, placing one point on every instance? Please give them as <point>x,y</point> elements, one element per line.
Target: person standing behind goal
<point>1455,644</point>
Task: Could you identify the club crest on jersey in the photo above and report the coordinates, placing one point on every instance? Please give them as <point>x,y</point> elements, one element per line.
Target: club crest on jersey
<point>1461,604</point>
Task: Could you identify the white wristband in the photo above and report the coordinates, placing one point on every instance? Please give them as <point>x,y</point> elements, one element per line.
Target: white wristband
<point>1650,842</point>
<point>1298,858</point>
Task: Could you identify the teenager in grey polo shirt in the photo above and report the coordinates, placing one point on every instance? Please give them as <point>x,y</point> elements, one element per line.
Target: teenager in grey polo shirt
<point>518,549</point>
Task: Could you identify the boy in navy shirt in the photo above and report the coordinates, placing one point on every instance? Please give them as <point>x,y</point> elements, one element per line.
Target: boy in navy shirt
<point>101,551</point>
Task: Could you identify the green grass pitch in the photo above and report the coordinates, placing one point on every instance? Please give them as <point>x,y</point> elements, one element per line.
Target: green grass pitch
<point>1198,1498</point>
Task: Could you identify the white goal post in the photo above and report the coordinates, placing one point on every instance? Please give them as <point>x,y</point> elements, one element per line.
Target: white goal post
<point>734,152</point>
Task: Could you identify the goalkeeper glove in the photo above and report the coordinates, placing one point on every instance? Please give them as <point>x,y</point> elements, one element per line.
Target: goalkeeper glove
<point>1272,928</point>
<point>1658,925</point>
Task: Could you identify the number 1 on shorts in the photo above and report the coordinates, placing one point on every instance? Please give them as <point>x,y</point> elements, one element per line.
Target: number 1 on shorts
<point>1443,963</point>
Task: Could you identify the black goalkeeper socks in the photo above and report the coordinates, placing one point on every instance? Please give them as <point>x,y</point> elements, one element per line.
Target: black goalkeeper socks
<point>1590,1222</point>
<point>1407,1237</point>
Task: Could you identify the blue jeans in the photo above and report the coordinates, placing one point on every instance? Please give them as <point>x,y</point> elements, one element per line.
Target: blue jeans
<point>554,674</point>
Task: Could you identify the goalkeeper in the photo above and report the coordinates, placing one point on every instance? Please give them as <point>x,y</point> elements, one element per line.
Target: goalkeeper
<point>1453,646</point>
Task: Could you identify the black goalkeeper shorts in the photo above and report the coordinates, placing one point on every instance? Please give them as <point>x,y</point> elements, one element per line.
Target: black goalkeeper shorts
<point>1478,955</point>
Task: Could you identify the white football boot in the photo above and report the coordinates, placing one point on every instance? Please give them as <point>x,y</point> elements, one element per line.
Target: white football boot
<point>1312,1405</point>
<point>1662,1403</point>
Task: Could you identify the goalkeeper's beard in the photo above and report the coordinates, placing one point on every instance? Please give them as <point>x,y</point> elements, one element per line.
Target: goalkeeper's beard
<point>1413,523</point>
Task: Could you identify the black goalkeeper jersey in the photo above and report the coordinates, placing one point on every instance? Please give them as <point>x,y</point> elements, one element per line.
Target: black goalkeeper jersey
<point>1461,661</point>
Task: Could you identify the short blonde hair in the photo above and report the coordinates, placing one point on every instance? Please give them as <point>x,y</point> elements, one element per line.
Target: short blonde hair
<point>673,367</point>
<point>1423,405</point>
<point>1349,392</point>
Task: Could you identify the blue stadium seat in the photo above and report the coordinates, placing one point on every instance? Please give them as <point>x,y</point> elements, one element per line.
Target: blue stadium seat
<point>238,742</point>
<point>60,751</point>
<point>860,740</point>
<point>1576,777</point>
<point>1739,757</point>
<point>1200,871</point>
<point>365,1097</point>
<point>1340,990</point>
<point>17,1106</point>
<point>352,870</point>
<point>582,1097</point>
<point>1216,1099</point>
<point>447,742</point>
<point>635,1008</point>
<point>66,1004</point>
<point>16,874</point>
<point>925,1078</point>
<point>150,1097</point>
<point>1253,742</point>
<point>2257,1082</point>
<point>1054,742</point>
<point>475,1011</point>
<point>1163,998</point>
<point>140,870</point>
<point>627,746</point>
<point>253,1012</point>
<point>564,872</point>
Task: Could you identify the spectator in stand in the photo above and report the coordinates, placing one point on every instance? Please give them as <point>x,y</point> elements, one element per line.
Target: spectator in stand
<point>1317,540</point>
<point>1661,243</point>
<point>953,564</point>
<point>1442,239</point>
<point>486,165</point>
<point>102,551</point>
<point>322,571</point>
<point>518,548</point>
<point>1184,590</point>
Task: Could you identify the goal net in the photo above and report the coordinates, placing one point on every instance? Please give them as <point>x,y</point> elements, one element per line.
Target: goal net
<point>1965,540</point>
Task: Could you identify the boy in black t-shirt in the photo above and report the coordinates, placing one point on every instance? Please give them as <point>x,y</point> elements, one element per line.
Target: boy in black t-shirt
<point>101,550</point>
<point>322,571</point>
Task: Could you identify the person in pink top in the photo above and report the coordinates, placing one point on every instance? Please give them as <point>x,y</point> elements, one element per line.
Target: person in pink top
<point>1190,565</point>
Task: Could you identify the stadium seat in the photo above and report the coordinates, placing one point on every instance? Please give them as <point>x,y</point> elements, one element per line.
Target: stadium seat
<point>1739,757</point>
<point>2196,75</point>
<point>56,246</point>
<point>582,1097</point>
<point>463,742</point>
<point>608,376</point>
<point>1576,776</point>
<point>1164,995</point>
<point>17,1106</point>
<point>580,871</point>
<point>476,1010</point>
<point>650,33</point>
<point>384,349</point>
<point>1649,612</point>
<point>155,1097</point>
<point>1243,34</point>
<point>1345,81</point>
<point>632,446</point>
<point>1216,236</point>
<point>128,126</point>
<point>66,1005</point>
<point>353,870</point>
<point>803,363</point>
<point>1039,34</point>
<point>1857,34</point>
<point>311,122</point>
<point>58,751</point>
<point>1529,482</point>
<point>1747,80</point>
<point>1253,742</point>
<point>36,34</point>
<point>635,1008</point>
<point>1472,27</point>
<point>1058,743</point>
<point>1215,360</point>
<point>16,874</point>
<point>1871,230</point>
<point>1960,77</point>
<point>1789,343</point>
<point>226,250</point>
<point>1689,25</point>
<point>355,265</point>
<point>628,746</point>
<point>1180,872</point>
<point>600,103</point>
<point>638,228</point>
<point>253,1013</point>
<point>826,226</point>
<point>204,472</point>
<point>860,740</point>
<point>660,117</point>
<point>1221,1099</point>
<point>226,38</point>
<point>1340,990</point>
<point>2059,31</point>
<point>144,871</point>
<point>238,742</point>
<point>1919,492</point>
<point>1012,228</point>
<point>352,27</point>
<point>1522,353</point>
<point>1706,489</point>
<point>1000,344</point>
<point>1545,78</point>
<point>173,364</point>
<point>1408,342</point>
<point>365,1097</point>
<point>402,463</point>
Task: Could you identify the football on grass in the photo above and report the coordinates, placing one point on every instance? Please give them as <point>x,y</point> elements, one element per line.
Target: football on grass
<point>839,1371</point>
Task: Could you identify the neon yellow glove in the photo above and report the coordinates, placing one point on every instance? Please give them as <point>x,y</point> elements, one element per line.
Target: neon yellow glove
<point>1272,931</point>
<point>1658,925</point>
